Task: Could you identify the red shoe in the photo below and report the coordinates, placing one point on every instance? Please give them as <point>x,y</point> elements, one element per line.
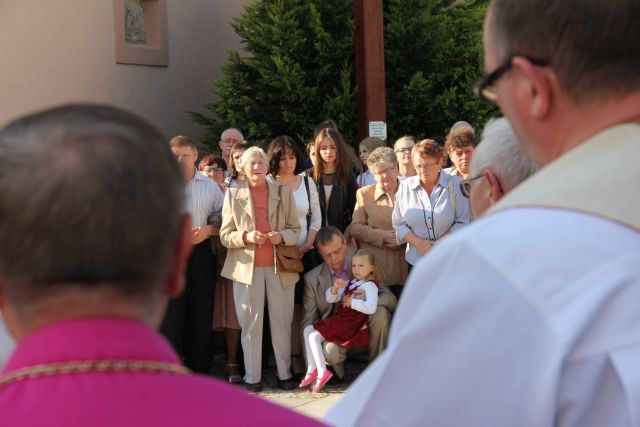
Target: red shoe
<point>308,378</point>
<point>322,381</point>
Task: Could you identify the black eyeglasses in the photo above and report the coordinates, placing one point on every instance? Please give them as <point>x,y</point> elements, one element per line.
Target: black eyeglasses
<point>465,185</point>
<point>485,86</point>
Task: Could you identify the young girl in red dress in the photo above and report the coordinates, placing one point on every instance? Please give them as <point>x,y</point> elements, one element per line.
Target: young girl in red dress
<point>348,325</point>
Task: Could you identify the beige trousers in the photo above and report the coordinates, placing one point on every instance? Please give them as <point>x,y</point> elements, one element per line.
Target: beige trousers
<point>379,323</point>
<point>249,301</point>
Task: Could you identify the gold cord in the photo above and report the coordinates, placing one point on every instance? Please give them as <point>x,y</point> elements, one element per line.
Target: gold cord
<point>83,366</point>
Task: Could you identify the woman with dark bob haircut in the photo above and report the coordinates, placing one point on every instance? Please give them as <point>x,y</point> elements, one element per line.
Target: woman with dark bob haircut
<point>285,164</point>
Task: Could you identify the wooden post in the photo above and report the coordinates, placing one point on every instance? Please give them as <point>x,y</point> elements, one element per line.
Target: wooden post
<point>369,38</point>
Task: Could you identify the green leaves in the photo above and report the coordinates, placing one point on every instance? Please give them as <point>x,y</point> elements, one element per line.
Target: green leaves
<point>433,56</point>
<point>298,69</point>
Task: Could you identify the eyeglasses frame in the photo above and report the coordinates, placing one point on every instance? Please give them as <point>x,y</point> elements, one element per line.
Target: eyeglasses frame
<point>489,80</point>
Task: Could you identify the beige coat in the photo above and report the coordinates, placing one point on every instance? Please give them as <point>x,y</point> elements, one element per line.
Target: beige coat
<point>371,217</point>
<point>238,218</point>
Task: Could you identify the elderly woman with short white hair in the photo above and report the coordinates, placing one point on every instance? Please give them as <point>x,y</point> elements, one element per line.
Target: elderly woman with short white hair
<point>256,216</point>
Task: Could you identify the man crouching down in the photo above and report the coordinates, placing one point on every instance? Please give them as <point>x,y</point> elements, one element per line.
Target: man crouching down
<point>333,248</point>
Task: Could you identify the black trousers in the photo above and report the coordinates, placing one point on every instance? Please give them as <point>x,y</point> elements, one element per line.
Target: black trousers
<point>188,321</point>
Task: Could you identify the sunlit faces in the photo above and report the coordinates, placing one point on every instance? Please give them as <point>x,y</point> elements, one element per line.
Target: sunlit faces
<point>461,158</point>
<point>403,152</point>
<point>255,169</point>
<point>427,168</point>
<point>229,137</point>
<point>327,151</point>
<point>215,173</point>
<point>333,253</point>
<point>186,156</point>
<point>287,164</point>
<point>364,155</point>
<point>236,159</point>
<point>361,267</point>
<point>386,175</point>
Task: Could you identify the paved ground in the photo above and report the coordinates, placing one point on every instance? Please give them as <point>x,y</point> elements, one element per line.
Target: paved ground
<point>313,405</point>
<point>303,401</point>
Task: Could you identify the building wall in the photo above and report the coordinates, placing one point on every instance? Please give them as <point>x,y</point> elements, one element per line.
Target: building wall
<point>59,51</point>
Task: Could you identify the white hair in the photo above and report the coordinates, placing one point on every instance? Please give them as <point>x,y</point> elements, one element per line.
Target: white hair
<point>252,152</point>
<point>500,152</point>
<point>381,156</point>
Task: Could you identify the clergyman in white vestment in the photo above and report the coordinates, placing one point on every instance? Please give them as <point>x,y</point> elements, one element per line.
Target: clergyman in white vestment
<point>531,316</point>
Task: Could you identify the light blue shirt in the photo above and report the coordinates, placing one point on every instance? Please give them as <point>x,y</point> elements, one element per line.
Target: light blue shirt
<point>429,218</point>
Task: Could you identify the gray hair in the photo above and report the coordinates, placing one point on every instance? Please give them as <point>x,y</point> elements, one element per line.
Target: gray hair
<point>405,138</point>
<point>462,124</point>
<point>236,129</point>
<point>253,152</point>
<point>381,156</point>
<point>89,196</point>
<point>500,152</point>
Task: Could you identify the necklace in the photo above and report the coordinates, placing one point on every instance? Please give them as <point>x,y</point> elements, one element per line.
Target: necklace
<point>99,365</point>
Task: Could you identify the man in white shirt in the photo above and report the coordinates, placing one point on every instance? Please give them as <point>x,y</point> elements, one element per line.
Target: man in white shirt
<point>529,317</point>
<point>189,316</point>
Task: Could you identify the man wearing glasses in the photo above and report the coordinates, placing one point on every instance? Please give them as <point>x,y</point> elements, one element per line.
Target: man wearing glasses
<point>499,165</point>
<point>228,139</point>
<point>529,317</point>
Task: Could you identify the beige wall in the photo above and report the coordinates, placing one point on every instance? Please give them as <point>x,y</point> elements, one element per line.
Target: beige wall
<point>58,51</point>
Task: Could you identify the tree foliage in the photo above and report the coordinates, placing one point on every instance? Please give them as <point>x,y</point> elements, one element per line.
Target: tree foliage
<point>298,69</point>
<point>433,55</point>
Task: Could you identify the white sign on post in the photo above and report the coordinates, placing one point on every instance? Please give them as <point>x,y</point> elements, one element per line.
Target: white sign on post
<point>378,129</point>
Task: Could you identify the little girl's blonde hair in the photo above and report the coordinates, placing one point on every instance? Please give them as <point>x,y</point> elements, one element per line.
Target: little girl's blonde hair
<point>377,272</point>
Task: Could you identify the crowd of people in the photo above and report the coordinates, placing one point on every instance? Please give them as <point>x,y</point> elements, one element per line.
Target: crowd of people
<point>501,291</point>
<point>272,200</point>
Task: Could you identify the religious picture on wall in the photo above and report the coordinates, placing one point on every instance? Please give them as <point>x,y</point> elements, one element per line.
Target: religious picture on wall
<point>134,25</point>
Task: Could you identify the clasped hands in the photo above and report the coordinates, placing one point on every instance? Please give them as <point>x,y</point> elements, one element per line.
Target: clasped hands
<point>260,238</point>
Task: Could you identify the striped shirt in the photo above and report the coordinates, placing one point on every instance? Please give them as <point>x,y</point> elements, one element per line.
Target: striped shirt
<point>203,198</point>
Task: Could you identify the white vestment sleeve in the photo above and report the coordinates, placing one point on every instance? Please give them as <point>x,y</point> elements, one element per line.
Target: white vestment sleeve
<point>455,332</point>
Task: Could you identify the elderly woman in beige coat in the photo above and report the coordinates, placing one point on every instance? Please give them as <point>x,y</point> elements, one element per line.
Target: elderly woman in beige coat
<point>256,216</point>
<point>371,222</point>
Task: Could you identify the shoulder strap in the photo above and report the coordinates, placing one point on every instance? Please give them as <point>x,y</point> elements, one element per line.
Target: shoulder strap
<point>279,201</point>
<point>452,195</point>
<point>306,186</point>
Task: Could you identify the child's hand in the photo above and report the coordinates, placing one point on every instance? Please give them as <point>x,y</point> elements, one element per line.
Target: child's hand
<point>340,283</point>
<point>359,294</point>
<point>346,301</point>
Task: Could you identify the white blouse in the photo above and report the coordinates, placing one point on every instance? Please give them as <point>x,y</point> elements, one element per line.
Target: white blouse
<point>367,306</point>
<point>302,205</point>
